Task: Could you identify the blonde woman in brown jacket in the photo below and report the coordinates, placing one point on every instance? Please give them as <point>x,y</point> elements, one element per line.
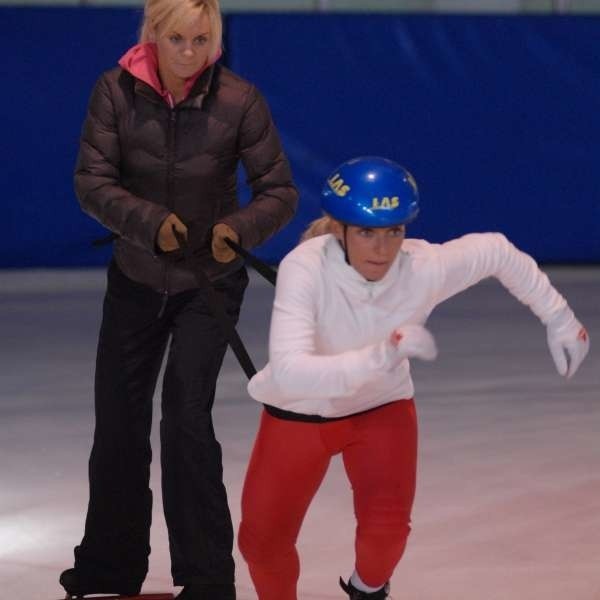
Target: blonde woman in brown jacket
<point>160,147</point>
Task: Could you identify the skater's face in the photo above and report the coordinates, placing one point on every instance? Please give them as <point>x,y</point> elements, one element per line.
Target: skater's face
<point>371,251</point>
<point>184,48</point>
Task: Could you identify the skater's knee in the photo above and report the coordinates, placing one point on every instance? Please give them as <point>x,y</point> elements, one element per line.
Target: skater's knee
<point>380,549</point>
<point>391,532</point>
<point>263,547</point>
<point>254,545</point>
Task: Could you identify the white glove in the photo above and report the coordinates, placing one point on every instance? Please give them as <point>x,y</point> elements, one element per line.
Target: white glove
<point>568,341</point>
<point>409,341</point>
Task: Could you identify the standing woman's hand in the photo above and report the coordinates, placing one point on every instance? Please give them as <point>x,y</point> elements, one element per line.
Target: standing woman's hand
<point>165,238</point>
<point>221,251</point>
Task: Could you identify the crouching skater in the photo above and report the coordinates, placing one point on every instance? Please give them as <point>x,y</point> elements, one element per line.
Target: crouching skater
<point>350,306</point>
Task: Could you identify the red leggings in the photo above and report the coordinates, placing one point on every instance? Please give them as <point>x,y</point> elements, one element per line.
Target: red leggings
<point>287,466</point>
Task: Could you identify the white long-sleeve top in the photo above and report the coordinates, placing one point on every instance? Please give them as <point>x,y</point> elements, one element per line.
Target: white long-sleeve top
<point>328,321</point>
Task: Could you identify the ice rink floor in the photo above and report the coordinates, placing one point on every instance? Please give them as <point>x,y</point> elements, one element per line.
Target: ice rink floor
<point>508,496</point>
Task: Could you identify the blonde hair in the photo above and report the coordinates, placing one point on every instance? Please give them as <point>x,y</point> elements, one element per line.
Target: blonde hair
<point>318,227</point>
<point>170,13</point>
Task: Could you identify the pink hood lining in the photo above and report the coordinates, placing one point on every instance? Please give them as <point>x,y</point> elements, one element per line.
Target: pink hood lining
<point>142,62</point>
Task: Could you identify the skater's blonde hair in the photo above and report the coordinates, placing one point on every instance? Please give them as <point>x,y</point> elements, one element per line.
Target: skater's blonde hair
<point>168,14</point>
<point>318,227</point>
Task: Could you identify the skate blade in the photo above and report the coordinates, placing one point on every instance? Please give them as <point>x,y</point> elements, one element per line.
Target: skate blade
<point>138,597</point>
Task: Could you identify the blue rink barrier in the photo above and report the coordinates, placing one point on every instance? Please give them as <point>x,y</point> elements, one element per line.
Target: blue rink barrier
<point>496,116</point>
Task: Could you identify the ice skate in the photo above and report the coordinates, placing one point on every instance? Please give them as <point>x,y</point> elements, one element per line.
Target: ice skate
<point>102,589</point>
<point>355,594</point>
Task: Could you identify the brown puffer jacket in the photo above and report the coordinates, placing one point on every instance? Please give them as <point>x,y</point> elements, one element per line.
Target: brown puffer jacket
<point>140,160</point>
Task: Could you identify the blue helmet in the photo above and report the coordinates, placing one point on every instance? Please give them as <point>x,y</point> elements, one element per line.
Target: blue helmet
<point>370,191</point>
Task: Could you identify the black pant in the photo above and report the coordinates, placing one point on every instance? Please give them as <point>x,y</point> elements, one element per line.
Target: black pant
<point>131,347</point>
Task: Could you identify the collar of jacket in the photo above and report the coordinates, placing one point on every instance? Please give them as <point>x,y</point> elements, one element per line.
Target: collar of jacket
<point>194,99</point>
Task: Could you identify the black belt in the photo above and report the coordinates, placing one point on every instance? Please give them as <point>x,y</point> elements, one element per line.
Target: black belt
<point>288,415</point>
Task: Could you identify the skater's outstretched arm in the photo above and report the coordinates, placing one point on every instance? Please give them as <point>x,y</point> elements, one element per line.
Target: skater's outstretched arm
<point>465,261</point>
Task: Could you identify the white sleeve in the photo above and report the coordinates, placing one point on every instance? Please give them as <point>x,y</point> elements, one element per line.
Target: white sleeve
<point>471,258</point>
<point>296,368</point>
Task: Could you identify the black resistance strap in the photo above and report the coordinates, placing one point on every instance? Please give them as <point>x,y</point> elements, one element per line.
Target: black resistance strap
<point>213,299</point>
<point>216,306</point>
<point>260,267</point>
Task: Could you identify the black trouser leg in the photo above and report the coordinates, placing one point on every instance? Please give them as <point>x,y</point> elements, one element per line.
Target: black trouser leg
<point>195,501</point>
<point>130,350</point>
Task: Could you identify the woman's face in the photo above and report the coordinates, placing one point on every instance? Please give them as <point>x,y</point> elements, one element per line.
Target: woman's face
<point>183,50</point>
<point>371,251</point>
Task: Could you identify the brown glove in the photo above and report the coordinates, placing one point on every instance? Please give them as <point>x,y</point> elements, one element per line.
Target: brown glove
<point>165,239</point>
<point>221,251</point>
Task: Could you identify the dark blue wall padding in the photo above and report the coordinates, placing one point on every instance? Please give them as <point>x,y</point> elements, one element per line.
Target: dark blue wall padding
<point>496,117</point>
<point>51,58</point>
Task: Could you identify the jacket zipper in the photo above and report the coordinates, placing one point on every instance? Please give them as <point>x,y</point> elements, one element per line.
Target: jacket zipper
<point>165,294</point>
<point>171,157</point>
<point>170,202</point>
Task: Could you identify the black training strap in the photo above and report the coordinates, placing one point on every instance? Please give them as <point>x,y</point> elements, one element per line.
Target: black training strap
<point>213,299</point>
<point>215,303</point>
<point>260,267</point>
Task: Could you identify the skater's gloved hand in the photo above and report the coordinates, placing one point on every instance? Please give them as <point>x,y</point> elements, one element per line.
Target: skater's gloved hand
<point>409,341</point>
<point>568,341</point>
<point>221,251</point>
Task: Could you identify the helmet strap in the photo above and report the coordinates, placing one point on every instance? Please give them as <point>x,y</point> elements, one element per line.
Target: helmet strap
<point>345,245</point>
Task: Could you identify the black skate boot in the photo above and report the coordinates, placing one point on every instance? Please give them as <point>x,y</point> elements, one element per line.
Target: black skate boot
<point>355,594</point>
<point>78,587</point>
<point>197,591</point>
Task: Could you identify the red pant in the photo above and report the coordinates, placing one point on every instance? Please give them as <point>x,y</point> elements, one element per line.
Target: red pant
<point>287,466</point>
